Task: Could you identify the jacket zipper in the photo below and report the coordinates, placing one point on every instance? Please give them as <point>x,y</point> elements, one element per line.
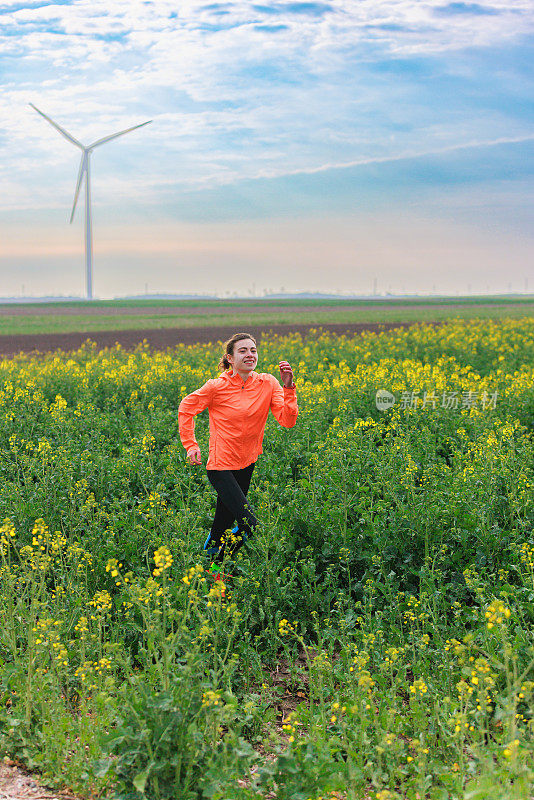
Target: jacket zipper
<point>244,419</point>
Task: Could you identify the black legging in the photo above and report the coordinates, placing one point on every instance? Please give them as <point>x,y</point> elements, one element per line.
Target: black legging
<point>232,487</point>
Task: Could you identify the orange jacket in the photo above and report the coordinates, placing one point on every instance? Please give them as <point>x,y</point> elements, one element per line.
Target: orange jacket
<point>238,413</point>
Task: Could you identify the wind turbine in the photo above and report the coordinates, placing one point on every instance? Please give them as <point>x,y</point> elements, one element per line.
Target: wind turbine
<point>84,171</point>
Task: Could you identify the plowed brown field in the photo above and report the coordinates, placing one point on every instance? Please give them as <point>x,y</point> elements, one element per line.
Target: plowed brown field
<point>160,339</point>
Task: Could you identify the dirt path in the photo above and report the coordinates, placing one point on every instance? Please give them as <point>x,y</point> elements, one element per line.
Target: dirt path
<point>162,338</point>
<point>18,784</point>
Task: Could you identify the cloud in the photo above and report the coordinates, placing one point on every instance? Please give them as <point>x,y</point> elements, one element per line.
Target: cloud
<point>217,8</point>
<point>301,8</point>
<point>408,156</point>
<point>240,91</point>
<point>466,8</point>
<point>271,28</point>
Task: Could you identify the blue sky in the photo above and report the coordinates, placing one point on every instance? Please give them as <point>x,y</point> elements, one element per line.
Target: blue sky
<point>310,145</point>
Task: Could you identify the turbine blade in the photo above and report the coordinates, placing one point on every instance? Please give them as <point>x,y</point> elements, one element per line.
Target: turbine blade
<point>115,135</point>
<point>81,172</point>
<point>61,130</point>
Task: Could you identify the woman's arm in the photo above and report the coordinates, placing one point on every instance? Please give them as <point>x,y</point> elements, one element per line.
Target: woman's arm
<point>190,406</point>
<point>284,401</point>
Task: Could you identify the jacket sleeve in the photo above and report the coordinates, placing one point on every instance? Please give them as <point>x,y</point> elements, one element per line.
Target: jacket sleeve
<point>284,405</point>
<point>190,406</point>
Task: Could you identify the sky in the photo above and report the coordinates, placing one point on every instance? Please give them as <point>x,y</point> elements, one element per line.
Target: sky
<point>298,146</point>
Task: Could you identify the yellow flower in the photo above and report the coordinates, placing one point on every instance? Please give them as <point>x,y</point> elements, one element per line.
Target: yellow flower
<point>285,627</point>
<point>365,681</point>
<point>418,687</point>
<point>163,560</point>
<point>211,698</point>
<point>496,613</point>
<point>101,601</point>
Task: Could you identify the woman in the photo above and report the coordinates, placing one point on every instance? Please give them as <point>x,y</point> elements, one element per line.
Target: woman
<point>238,403</point>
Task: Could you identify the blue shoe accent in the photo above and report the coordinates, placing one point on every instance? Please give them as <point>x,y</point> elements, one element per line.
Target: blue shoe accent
<point>211,551</point>
<point>244,536</point>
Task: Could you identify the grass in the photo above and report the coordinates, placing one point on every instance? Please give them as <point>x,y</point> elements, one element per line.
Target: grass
<point>93,317</point>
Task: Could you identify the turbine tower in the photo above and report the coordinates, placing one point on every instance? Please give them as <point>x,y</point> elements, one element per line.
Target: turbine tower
<point>84,171</point>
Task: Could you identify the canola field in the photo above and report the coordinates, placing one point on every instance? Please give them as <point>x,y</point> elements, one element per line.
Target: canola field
<point>375,640</point>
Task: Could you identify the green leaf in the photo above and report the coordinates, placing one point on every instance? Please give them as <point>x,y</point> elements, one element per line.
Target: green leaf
<point>101,767</point>
<point>141,778</point>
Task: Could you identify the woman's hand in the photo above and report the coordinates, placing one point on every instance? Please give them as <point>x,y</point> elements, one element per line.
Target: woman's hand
<point>286,373</point>
<point>193,456</point>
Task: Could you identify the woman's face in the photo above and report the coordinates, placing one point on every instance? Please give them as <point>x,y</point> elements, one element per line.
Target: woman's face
<point>245,356</point>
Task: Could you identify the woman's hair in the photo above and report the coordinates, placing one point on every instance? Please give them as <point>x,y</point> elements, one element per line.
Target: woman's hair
<point>229,348</point>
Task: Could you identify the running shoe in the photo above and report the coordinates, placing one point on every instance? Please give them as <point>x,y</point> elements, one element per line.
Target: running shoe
<point>212,551</point>
<point>216,572</point>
